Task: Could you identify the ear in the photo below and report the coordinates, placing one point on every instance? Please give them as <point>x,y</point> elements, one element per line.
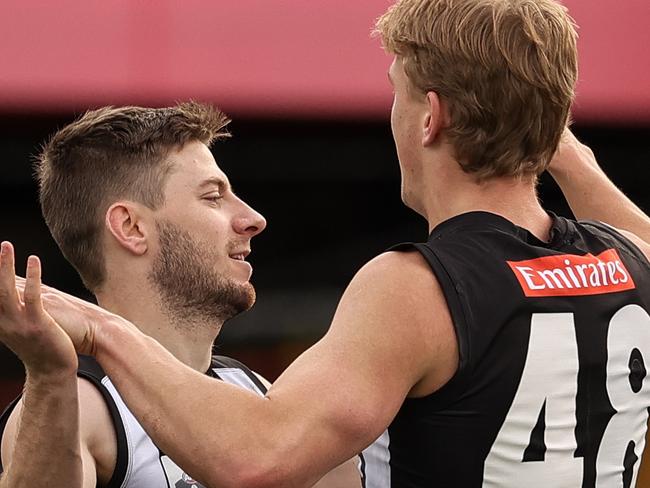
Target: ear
<point>124,222</point>
<point>435,118</point>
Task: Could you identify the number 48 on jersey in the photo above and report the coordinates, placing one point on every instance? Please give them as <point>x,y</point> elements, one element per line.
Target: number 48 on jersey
<point>551,365</point>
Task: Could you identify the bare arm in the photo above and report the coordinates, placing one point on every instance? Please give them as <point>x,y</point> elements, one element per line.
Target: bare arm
<point>35,439</point>
<point>42,442</point>
<point>590,193</point>
<point>346,475</point>
<point>332,402</point>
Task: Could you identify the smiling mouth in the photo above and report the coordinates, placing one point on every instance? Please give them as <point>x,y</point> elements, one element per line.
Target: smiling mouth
<point>241,256</point>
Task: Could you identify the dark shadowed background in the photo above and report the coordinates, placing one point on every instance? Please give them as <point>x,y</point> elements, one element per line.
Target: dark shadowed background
<point>312,149</point>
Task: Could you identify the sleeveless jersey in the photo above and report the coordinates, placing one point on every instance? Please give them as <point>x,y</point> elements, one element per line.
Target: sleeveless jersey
<point>551,388</point>
<point>140,464</point>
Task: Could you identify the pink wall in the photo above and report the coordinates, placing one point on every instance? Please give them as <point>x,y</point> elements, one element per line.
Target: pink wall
<point>266,57</point>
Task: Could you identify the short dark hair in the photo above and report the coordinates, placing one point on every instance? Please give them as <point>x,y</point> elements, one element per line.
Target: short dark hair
<point>108,154</point>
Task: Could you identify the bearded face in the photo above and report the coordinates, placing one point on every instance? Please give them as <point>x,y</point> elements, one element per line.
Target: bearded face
<point>192,278</point>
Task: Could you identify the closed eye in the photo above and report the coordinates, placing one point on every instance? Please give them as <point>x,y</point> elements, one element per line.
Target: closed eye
<point>213,198</point>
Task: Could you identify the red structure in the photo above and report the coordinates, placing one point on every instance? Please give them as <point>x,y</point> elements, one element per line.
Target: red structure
<point>267,58</point>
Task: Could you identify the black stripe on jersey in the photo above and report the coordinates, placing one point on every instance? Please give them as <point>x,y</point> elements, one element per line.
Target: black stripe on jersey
<point>90,370</point>
<point>362,469</point>
<point>162,467</point>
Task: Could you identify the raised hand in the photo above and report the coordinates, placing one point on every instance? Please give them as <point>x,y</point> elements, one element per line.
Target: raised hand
<point>25,327</point>
<point>571,152</point>
<point>82,321</point>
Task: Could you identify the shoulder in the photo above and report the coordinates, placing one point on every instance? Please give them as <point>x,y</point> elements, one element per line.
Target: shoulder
<point>643,246</point>
<point>640,244</point>
<point>397,298</point>
<point>398,274</point>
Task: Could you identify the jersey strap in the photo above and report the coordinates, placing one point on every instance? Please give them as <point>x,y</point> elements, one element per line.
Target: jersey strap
<point>90,370</point>
<point>225,363</point>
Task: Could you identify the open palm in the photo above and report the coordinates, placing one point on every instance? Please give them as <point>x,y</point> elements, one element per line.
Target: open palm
<point>25,327</point>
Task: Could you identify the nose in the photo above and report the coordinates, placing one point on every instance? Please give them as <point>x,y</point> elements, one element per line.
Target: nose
<point>249,222</point>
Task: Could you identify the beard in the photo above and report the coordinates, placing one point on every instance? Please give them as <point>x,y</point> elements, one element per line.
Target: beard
<point>190,288</point>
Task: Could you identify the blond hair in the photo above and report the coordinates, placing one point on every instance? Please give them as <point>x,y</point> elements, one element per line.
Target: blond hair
<point>506,68</point>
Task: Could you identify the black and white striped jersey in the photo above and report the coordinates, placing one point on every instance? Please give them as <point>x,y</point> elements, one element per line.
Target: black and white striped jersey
<point>140,464</point>
<point>551,389</point>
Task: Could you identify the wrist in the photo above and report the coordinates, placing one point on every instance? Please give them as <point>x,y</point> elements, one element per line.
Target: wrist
<point>52,378</point>
<point>111,336</point>
<point>573,159</point>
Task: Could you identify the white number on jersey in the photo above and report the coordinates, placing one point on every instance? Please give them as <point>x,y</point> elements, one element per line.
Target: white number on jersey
<point>629,329</point>
<point>550,377</point>
<point>550,381</point>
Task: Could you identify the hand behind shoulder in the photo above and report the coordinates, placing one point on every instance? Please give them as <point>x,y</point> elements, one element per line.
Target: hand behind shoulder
<point>570,155</point>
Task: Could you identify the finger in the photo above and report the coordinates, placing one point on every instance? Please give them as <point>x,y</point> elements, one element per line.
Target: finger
<point>20,286</point>
<point>8,295</point>
<point>32,293</point>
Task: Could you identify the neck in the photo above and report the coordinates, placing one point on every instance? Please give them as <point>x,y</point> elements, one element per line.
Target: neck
<point>189,339</point>
<point>457,192</point>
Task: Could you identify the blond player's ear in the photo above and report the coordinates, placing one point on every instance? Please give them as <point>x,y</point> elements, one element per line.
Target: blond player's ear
<point>125,225</point>
<point>435,118</point>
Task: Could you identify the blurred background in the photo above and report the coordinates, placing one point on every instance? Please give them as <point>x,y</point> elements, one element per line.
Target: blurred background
<point>312,150</point>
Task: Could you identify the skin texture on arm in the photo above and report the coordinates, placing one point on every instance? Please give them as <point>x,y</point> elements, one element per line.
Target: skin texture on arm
<point>346,475</point>
<point>46,442</point>
<point>42,438</point>
<point>25,434</point>
<point>391,337</point>
<point>590,193</point>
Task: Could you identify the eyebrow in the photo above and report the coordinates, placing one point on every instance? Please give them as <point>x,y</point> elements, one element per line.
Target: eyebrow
<point>221,184</point>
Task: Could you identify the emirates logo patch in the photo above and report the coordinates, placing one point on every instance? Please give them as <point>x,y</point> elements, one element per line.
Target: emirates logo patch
<point>571,275</point>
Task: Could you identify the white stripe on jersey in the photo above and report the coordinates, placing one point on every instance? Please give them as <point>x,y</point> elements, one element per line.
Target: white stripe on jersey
<point>377,460</point>
<point>146,468</point>
<point>236,376</point>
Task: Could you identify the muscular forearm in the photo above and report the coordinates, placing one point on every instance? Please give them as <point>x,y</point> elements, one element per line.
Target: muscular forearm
<point>46,448</point>
<point>220,434</point>
<point>591,194</point>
